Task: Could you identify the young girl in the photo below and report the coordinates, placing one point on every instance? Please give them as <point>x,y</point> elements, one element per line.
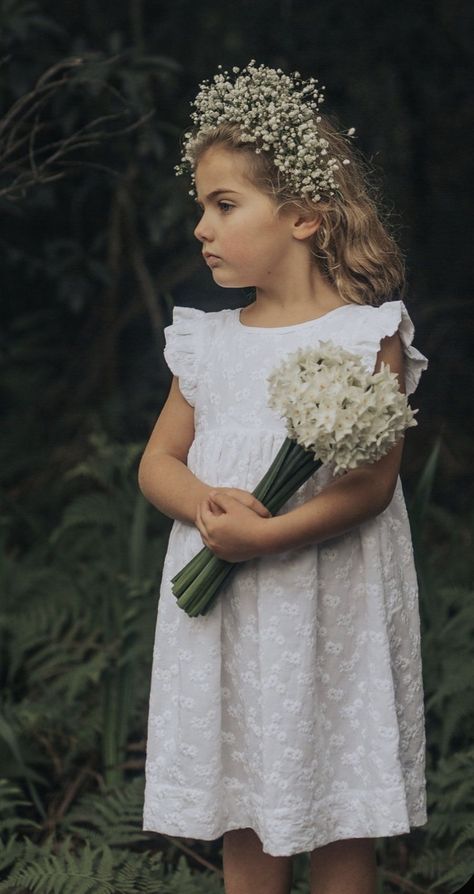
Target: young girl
<point>290,717</point>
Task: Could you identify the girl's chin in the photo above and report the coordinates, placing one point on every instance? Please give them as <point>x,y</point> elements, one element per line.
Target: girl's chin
<point>227,281</point>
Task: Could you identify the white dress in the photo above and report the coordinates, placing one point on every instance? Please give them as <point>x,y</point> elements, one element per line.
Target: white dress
<point>295,707</point>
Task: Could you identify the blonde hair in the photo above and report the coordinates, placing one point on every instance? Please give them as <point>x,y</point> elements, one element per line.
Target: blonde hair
<point>352,246</point>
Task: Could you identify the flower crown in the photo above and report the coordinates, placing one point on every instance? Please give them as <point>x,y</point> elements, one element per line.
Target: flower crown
<point>278,112</point>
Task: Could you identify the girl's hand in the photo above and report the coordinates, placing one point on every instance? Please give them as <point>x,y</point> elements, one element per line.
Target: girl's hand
<point>244,497</point>
<point>231,529</point>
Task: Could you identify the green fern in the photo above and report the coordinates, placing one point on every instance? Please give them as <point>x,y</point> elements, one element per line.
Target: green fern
<point>184,881</point>
<point>74,653</point>
<point>111,817</point>
<point>459,874</point>
<point>61,870</point>
<point>89,872</point>
<point>12,802</point>
<point>11,852</point>
<point>93,509</point>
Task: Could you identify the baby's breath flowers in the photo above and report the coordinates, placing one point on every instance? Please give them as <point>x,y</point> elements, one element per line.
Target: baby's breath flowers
<point>279,113</point>
<point>336,412</point>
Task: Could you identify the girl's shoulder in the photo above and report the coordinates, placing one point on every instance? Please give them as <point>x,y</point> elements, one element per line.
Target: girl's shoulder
<point>186,339</point>
<point>388,315</point>
<point>190,318</point>
<point>192,327</point>
<point>367,325</point>
<point>380,321</point>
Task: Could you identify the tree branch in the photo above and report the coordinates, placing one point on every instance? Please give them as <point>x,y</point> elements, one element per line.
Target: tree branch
<point>28,156</point>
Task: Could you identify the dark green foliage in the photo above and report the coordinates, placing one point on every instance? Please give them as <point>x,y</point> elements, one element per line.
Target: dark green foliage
<point>87,594</point>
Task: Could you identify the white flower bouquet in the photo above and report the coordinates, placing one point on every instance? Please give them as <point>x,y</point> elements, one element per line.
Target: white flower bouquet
<point>336,412</point>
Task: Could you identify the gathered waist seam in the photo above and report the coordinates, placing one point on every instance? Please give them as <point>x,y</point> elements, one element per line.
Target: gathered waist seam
<point>229,429</point>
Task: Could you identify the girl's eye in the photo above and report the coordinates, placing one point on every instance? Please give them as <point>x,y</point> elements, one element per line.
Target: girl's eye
<point>225,207</point>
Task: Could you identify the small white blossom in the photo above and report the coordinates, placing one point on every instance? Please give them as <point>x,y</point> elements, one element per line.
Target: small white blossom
<point>336,408</point>
<point>279,110</point>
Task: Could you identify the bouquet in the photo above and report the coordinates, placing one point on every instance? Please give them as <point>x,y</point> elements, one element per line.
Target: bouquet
<point>336,412</point>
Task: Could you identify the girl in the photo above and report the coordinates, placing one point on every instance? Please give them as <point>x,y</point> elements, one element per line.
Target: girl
<point>289,718</point>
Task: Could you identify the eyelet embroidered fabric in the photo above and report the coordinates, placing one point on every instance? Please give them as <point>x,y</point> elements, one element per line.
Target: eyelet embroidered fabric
<point>295,707</point>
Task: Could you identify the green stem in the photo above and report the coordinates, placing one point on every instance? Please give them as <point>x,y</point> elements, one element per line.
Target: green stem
<point>298,458</point>
<point>198,583</point>
<point>264,485</point>
<point>193,580</point>
<point>192,569</point>
<point>280,497</point>
<point>199,602</point>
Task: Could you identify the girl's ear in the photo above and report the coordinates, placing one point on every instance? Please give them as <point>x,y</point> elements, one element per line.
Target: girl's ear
<point>305,226</point>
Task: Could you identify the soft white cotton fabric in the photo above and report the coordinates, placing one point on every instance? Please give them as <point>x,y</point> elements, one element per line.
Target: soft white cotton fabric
<point>295,707</point>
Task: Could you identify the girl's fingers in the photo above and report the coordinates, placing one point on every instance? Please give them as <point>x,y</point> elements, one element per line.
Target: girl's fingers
<point>255,505</point>
<point>213,506</point>
<point>222,500</point>
<point>200,521</point>
<point>197,520</point>
<point>259,508</point>
<point>248,499</point>
<point>207,508</point>
<point>207,515</point>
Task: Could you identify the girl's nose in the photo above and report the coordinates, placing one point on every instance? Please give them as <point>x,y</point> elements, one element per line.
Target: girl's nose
<point>203,231</point>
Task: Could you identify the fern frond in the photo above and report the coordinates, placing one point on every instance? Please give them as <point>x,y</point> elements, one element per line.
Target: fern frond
<point>467,835</point>
<point>458,875</point>
<point>45,872</point>
<point>143,873</point>
<point>48,870</point>
<point>10,852</point>
<point>11,799</point>
<point>113,817</point>
<point>93,509</point>
<point>184,881</point>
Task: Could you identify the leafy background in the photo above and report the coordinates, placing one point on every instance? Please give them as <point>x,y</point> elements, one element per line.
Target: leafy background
<point>97,246</point>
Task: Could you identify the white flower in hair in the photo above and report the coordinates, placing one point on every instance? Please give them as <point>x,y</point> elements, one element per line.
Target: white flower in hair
<point>277,112</point>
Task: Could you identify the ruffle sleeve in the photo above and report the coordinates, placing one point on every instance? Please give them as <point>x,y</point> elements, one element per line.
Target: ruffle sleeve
<point>183,348</point>
<point>385,320</point>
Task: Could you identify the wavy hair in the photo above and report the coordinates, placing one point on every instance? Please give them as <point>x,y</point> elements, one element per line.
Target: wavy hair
<point>352,246</point>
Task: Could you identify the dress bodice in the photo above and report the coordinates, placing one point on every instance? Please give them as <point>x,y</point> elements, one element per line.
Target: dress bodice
<point>223,365</point>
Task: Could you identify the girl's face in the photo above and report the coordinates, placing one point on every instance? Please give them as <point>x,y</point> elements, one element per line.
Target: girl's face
<point>245,241</point>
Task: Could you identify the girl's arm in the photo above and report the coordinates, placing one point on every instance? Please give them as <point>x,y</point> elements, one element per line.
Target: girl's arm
<point>163,476</point>
<point>350,500</point>
<point>357,496</point>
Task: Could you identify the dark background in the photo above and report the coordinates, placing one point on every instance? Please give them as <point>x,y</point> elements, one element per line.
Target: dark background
<point>96,245</point>
<point>92,264</point>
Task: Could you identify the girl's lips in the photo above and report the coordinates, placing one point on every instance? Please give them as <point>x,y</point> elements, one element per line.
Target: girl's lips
<point>209,258</point>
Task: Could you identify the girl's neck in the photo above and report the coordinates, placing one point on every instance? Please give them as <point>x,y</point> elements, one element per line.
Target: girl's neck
<point>305,298</point>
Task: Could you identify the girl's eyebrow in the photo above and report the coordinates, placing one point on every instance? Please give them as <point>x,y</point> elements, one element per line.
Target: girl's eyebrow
<point>217,192</point>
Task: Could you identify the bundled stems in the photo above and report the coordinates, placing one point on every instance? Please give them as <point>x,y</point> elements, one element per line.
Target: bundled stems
<point>197,584</point>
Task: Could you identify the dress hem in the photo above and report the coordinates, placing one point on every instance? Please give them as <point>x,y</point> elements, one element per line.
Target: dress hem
<point>279,850</point>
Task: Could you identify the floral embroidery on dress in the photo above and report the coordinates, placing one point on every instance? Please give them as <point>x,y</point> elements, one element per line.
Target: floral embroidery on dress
<point>295,707</point>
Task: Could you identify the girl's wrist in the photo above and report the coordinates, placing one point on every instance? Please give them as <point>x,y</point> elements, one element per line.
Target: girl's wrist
<point>274,535</point>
